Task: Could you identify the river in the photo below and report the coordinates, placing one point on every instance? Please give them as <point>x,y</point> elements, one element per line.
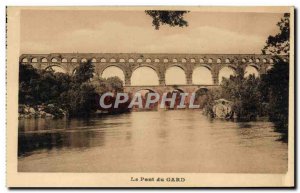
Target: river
<point>154,141</point>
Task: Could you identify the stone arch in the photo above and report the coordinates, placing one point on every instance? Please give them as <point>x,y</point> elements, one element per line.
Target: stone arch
<point>44,60</point>
<point>74,60</point>
<point>183,60</point>
<point>210,60</point>
<point>146,88</point>
<point>34,60</point>
<point>113,60</point>
<point>201,60</point>
<point>93,60</point>
<point>251,69</point>
<point>179,79</point>
<point>219,60</point>
<point>144,95</point>
<point>25,60</point>
<point>113,70</point>
<point>139,60</point>
<point>148,60</point>
<point>102,60</point>
<point>227,60</point>
<point>83,60</point>
<point>122,60</point>
<point>144,75</point>
<point>54,60</point>
<point>193,60</point>
<point>64,60</point>
<point>202,75</point>
<point>174,60</point>
<point>131,60</point>
<point>156,60</point>
<point>226,72</point>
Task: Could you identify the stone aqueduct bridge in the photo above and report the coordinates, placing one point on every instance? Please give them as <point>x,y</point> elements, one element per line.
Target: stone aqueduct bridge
<point>128,62</point>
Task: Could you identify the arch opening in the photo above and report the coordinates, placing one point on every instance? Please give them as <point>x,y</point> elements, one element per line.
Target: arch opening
<point>25,60</point>
<point>251,70</point>
<point>44,60</point>
<point>113,71</point>
<point>54,60</point>
<point>34,60</point>
<point>144,76</point>
<point>202,75</point>
<point>225,72</point>
<point>175,76</point>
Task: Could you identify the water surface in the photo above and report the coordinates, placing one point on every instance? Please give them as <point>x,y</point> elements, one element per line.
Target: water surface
<point>163,141</point>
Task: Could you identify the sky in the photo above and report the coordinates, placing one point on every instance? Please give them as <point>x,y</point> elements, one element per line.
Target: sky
<point>94,31</point>
<point>100,31</point>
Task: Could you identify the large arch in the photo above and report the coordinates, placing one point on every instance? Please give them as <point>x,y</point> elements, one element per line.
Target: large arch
<point>175,75</point>
<point>226,72</point>
<point>144,76</point>
<point>251,70</point>
<point>202,75</point>
<point>112,71</point>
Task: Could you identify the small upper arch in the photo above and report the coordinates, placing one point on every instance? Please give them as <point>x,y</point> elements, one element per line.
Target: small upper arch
<point>44,60</point>
<point>34,60</point>
<point>112,60</point>
<point>64,60</point>
<point>25,60</point>
<point>54,60</point>
<point>83,60</point>
<point>74,60</point>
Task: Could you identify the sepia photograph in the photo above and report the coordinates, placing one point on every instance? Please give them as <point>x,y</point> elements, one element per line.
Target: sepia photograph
<point>153,96</point>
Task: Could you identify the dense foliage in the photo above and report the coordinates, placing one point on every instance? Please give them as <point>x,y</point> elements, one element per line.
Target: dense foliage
<point>76,94</point>
<point>275,88</point>
<point>244,93</point>
<point>171,18</point>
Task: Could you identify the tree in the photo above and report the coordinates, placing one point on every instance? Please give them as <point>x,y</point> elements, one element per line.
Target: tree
<point>280,43</point>
<point>244,93</point>
<point>171,18</point>
<point>275,84</point>
<point>84,72</point>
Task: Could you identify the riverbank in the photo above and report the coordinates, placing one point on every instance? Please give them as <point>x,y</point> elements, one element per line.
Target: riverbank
<point>41,111</point>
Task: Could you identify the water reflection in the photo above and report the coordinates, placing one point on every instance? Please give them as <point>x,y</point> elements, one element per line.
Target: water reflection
<point>163,141</point>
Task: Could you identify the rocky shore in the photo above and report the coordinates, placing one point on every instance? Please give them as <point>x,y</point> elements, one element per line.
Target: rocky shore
<point>41,111</point>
